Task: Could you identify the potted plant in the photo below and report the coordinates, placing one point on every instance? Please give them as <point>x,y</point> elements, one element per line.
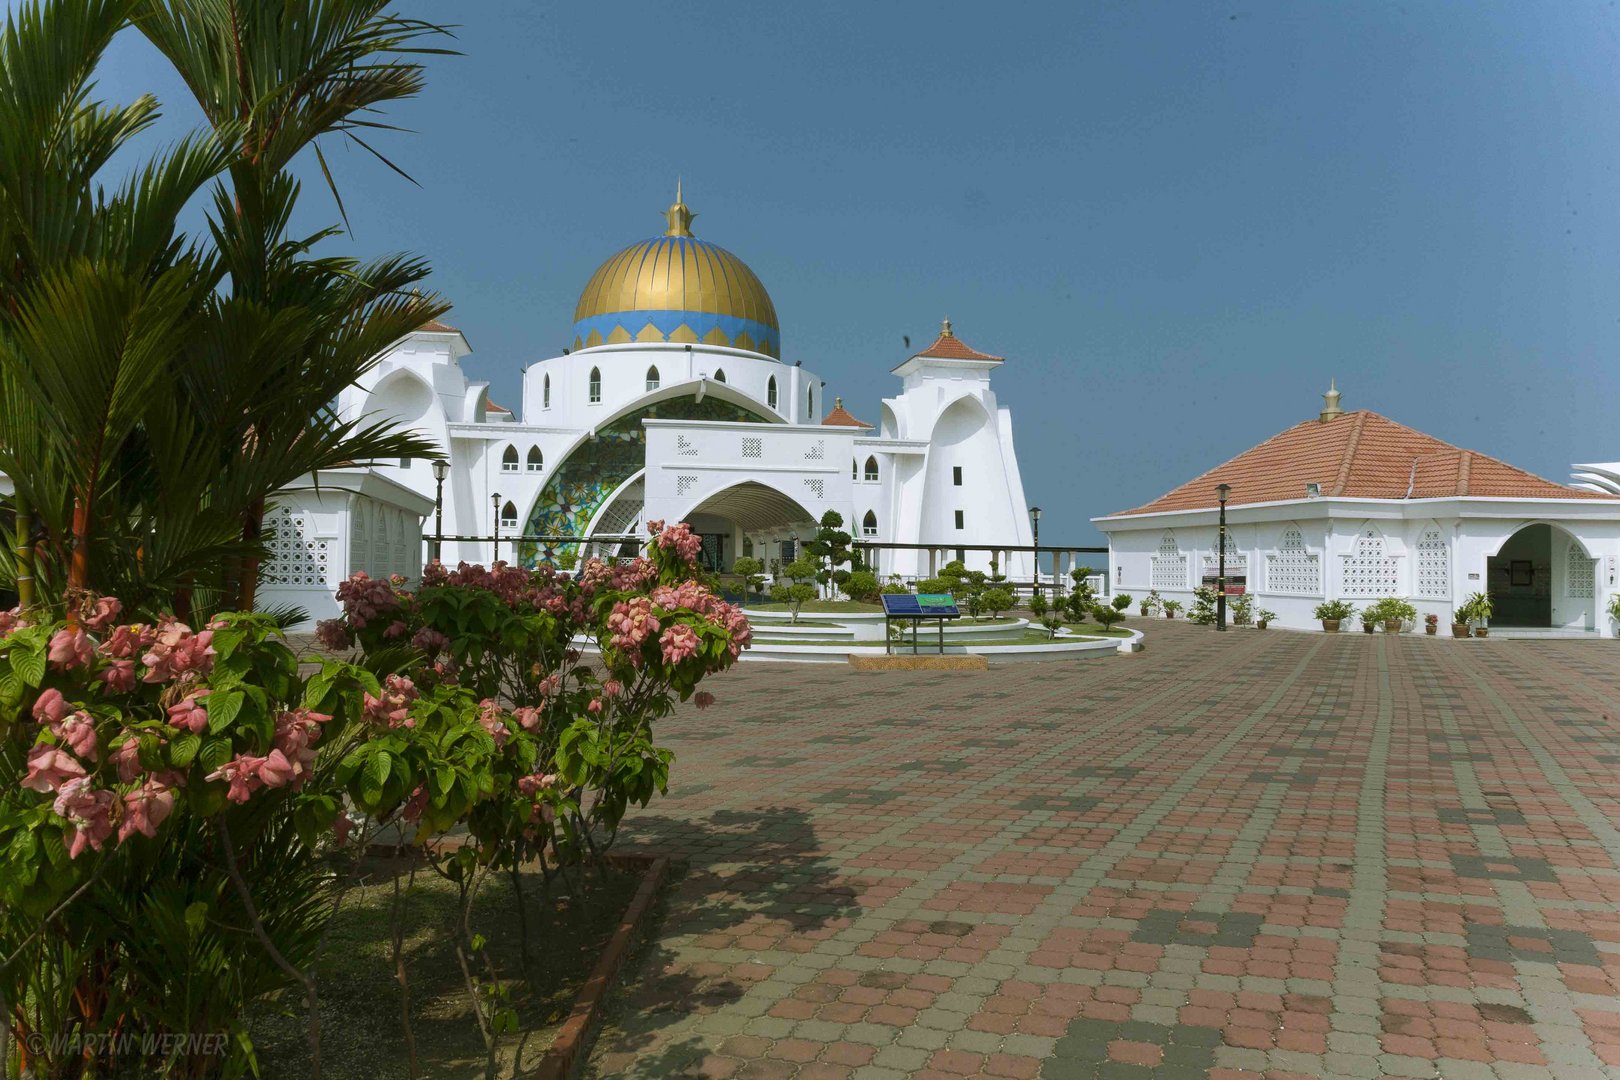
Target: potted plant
<point>1334,612</point>
<point>1171,607</point>
<point>1371,616</point>
<point>1460,620</point>
<point>1479,606</point>
<point>1395,613</point>
<point>1614,607</point>
<point>1262,617</point>
<point>1431,624</point>
<point>1152,604</point>
<point>1242,609</point>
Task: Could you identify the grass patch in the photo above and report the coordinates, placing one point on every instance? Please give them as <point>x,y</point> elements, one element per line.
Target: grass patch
<point>845,607</point>
<point>361,1033</point>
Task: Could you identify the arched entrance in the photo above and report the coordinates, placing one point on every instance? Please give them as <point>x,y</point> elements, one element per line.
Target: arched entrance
<point>753,510</point>
<point>1542,577</point>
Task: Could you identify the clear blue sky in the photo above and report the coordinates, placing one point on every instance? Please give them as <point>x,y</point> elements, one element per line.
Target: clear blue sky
<point>1175,220</point>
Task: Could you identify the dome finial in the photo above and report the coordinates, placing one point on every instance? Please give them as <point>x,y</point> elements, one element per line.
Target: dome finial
<point>945,329</point>
<point>1330,402</point>
<point>680,218</point>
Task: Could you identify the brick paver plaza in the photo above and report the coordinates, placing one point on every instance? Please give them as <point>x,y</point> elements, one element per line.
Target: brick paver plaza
<point>1252,854</point>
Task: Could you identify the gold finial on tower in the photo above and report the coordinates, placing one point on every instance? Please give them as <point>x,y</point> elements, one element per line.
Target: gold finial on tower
<point>680,218</point>
<point>838,403</point>
<point>1330,402</point>
<point>945,329</point>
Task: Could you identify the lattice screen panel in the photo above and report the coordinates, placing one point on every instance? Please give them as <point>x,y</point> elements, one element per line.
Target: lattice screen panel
<point>1433,565</point>
<point>1580,577</point>
<point>1293,569</point>
<point>1370,570</point>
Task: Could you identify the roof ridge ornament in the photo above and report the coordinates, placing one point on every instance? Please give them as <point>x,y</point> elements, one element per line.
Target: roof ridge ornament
<point>1330,402</point>
<point>679,215</point>
<point>945,329</point>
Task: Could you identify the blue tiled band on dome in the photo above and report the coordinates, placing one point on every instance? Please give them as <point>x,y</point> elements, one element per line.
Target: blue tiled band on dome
<point>706,327</point>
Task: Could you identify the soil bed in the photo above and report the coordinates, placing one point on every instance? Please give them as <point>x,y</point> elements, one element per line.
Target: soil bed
<point>361,1032</point>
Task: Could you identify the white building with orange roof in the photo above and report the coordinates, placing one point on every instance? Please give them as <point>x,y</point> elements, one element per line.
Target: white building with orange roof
<point>672,401</point>
<point>1358,507</point>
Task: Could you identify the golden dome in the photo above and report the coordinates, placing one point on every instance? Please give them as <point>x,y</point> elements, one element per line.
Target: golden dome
<point>678,288</point>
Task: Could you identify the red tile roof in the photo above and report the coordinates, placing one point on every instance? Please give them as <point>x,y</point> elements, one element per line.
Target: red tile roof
<point>1359,455</point>
<point>950,347</point>
<point>840,417</point>
<point>434,326</point>
<point>490,406</point>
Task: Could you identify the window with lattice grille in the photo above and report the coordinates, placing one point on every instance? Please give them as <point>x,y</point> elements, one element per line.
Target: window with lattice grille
<point>296,557</point>
<point>1169,564</point>
<point>1237,563</point>
<point>1580,577</point>
<point>1293,569</point>
<point>1369,569</point>
<point>1433,565</point>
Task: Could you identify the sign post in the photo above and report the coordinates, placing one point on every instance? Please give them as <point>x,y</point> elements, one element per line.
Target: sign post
<point>916,608</point>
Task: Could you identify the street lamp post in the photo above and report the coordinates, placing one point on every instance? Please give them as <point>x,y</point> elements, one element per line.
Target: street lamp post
<point>1035,525</point>
<point>1222,491</point>
<point>441,470</point>
<point>495,500</point>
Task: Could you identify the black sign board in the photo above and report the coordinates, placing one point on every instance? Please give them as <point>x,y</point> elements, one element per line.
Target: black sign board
<point>920,606</point>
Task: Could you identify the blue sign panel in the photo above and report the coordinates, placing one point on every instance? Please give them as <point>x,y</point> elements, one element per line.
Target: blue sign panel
<point>924,606</point>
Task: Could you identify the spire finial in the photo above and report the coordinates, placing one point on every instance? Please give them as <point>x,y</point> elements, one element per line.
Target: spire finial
<point>838,403</point>
<point>1330,402</point>
<point>945,329</point>
<point>680,218</point>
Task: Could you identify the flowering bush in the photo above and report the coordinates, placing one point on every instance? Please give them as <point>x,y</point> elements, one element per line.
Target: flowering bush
<point>170,792</point>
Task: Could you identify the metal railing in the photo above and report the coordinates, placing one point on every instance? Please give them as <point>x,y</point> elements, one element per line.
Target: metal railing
<point>1064,558</point>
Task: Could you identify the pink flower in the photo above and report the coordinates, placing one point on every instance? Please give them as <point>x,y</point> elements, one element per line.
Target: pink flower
<point>631,622</point>
<point>50,707</point>
<point>529,785</point>
<point>117,677</point>
<point>87,812</point>
<point>145,808</point>
<point>414,805</point>
<point>178,652</point>
<point>79,732</point>
<point>430,641</point>
<point>296,732</point>
<point>612,688</point>
<point>332,634</point>
<point>703,699</point>
<point>127,758</point>
<point>489,718</point>
<point>393,708</point>
<point>70,649</point>
<point>678,643</point>
<point>49,768</point>
<point>594,707</point>
<point>11,620</point>
<point>242,772</point>
<point>340,828</point>
<point>127,641</point>
<point>189,713</point>
<point>276,771</point>
<point>527,717</point>
<point>104,613</point>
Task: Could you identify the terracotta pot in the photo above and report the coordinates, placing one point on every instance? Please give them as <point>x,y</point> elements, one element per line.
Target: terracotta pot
<point>1330,626</point>
<point>1460,630</point>
<point>1392,626</point>
<point>1261,625</point>
<point>1169,614</point>
<point>1483,631</point>
<point>1431,628</point>
<point>1367,628</point>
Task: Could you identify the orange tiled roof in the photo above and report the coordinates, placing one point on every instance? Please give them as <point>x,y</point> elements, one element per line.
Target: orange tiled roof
<point>434,326</point>
<point>950,347</point>
<point>490,406</point>
<point>1359,455</point>
<point>840,417</point>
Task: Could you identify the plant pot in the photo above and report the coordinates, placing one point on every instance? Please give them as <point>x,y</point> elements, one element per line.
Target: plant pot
<point>1261,625</point>
<point>1144,612</point>
<point>1169,614</point>
<point>1330,626</point>
<point>1367,628</point>
<point>1392,626</point>
<point>1430,629</point>
<point>1460,630</point>
<point>1483,631</point>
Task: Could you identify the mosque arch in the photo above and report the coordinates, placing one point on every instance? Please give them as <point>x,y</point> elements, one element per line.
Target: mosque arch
<point>869,526</point>
<point>871,470</point>
<point>406,398</point>
<point>719,375</point>
<point>537,460</point>
<point>596,386</point>
<point>770,392</point>
<point>652,377</point>
<point>545,392</point>
<point>509,459</point>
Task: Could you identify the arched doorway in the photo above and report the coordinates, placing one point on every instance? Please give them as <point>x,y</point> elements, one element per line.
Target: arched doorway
<point>1542,577</point>
<point>747,510</point>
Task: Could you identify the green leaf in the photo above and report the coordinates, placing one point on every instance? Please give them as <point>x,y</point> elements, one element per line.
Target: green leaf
<point>215,752</point>
<point>183,750</point>
<point>223,708</point>
<point>29,664</point>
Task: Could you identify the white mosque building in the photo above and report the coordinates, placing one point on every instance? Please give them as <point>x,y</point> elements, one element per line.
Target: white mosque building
<point>673,402</point>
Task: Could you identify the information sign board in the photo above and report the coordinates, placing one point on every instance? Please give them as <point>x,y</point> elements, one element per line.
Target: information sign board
<point>921,606</point>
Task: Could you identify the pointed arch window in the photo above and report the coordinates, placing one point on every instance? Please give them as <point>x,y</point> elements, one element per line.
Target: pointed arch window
<point>652,377</point>
<point>545,392</point>
<point>509,459</point>
<point>869,524</point>
<point>809,403</point>
<point>1294,569</point>
<point>854,469</point>
<point>719,375</point>
<point>1169,564</point>
<point>596,386</point>
<point>537,460</point>
<point>509,515</point>
<point>1237,562</point>
<point>871,470</point>
<point>770,392</point>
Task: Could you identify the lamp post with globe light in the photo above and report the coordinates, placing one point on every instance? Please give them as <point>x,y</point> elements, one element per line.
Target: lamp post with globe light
<point>441,470</point>
<point>1035,526</point>
<point>495,500</point>
<point>1222,492</point>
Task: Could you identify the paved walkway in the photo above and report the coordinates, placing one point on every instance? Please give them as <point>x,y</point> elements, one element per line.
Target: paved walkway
<point>1242,855</point>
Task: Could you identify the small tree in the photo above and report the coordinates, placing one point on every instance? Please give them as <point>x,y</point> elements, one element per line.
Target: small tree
<point>861,585</point>
<point>751,571</point>
<point>1122,602</point>
<point>1080,597</point>
<point>1053,621</point>
<point>829,550</point>
<point>797,588</point>
<point>996,600</point>
<point>1107,614</point>
<point>1037,603</point>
